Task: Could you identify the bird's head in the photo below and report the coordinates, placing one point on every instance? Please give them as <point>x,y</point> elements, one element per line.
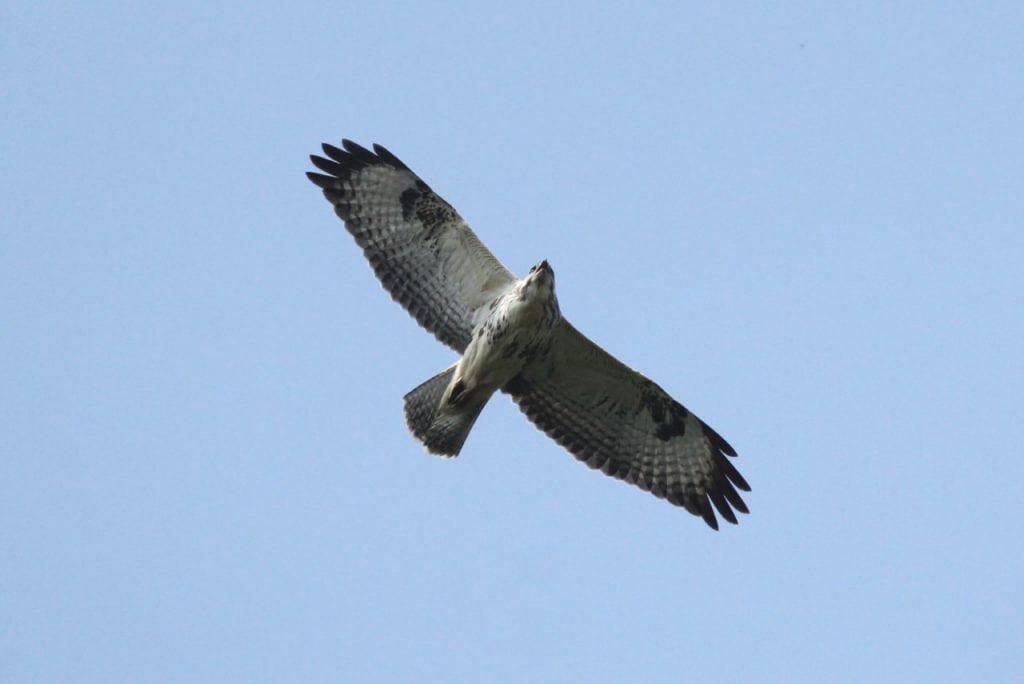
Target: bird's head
<point>542,269</point>
<point>540,275</point>
<point>539,284</point>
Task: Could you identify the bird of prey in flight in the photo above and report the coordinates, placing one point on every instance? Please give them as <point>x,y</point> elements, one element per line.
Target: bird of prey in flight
<point>512,337</point>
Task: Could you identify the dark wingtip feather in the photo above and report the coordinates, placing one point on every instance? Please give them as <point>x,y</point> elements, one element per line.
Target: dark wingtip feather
<point>729,470</point>
<point>333,152</point>
<point>718,441</point>
<point>386,156</point>
<point>351,156</point>
<point>359,152</point>
<point>720,503</point>
<point>708,514</point>
<point>326,165</point>
<point>738,503</point>
<point>321,180</point>
<point>730,494</point>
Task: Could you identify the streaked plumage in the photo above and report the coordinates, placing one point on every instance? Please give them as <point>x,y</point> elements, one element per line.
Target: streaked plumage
<point>512,337</point>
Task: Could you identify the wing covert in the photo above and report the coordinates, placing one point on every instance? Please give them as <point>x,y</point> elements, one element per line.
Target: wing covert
<point>421,250</point>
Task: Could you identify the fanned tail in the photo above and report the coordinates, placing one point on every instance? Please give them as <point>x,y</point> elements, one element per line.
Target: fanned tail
<point>443,432</point>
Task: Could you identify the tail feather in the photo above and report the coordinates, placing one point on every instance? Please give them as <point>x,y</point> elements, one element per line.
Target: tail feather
<point>421,404</point>
<point>442,432</point>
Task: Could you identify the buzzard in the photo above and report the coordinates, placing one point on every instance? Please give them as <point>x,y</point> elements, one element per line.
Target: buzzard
<point>512,337</point>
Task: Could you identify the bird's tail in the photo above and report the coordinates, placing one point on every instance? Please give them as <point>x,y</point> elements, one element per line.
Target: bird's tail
<point>442,428</point>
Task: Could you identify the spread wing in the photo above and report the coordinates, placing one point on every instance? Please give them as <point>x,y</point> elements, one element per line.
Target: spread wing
<point>422,251</point>
<point>615,419</point>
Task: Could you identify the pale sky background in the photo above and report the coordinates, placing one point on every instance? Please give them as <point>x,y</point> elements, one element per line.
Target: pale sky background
<point>805,222</point>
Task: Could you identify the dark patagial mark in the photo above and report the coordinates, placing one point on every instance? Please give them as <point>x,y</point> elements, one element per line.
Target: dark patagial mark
<point>538,348</point>
<point>551,312</point>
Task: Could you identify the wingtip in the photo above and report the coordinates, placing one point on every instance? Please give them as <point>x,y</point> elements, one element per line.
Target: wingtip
<point>718,499</point>
<point>328,166</point>
<point>352,154</point>
<point>333,152</point>
<point>320,180</point>
<point>709,516</point>
<point>359,152</point>
<point>386,156</point>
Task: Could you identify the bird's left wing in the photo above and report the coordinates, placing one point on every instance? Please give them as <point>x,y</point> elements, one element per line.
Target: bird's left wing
<point>422,251</point>
<point>615,419</point>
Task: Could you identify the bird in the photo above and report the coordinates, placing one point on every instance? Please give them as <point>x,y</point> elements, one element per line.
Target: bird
<point>512,337</point>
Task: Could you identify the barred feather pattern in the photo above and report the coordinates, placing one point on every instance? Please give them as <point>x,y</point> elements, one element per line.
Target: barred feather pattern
<point>615,420</point>
<point>421,250</point>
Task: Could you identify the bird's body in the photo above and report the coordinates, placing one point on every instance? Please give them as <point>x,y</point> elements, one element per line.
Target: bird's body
<point>512,337</point>
<point>514,329</point>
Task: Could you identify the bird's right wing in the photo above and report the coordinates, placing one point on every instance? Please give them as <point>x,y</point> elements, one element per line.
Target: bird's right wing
<point>613,418</point>
<point>422,251</point>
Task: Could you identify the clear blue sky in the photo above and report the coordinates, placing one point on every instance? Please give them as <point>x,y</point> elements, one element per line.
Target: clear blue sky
<point>804,222</point>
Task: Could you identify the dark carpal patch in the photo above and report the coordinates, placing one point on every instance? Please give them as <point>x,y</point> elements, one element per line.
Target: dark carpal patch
<point>408,200</point>
<point>434,213</point>
<point>669,416</point>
